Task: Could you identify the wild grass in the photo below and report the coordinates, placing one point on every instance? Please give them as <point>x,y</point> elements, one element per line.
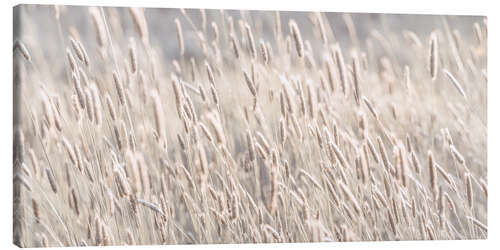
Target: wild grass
<point>270,134</point>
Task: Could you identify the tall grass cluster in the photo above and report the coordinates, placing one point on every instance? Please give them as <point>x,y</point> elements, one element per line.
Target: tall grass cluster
<point>276,133</point>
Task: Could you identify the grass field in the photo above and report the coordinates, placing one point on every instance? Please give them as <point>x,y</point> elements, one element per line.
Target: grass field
<point>169,126</point>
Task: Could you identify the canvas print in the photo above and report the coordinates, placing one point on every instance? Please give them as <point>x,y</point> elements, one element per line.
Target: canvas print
<point>150,126</point>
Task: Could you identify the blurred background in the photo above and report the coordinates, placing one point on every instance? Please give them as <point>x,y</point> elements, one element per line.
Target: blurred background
<point>41,26</point>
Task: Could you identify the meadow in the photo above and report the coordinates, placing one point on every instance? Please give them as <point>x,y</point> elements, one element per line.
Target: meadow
<point>246,127</point>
